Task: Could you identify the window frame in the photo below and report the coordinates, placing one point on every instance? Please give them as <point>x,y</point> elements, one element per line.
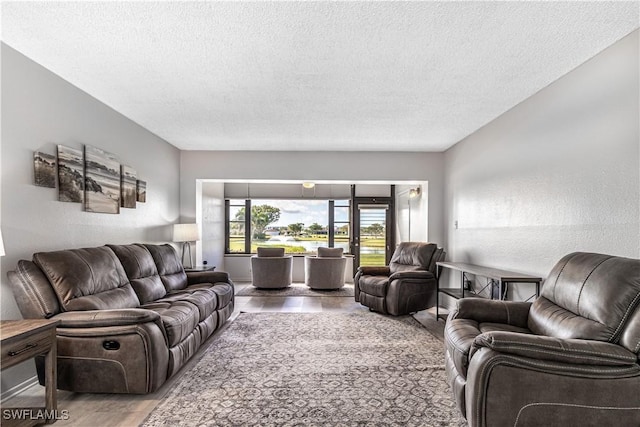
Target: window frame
<point>331,206</point>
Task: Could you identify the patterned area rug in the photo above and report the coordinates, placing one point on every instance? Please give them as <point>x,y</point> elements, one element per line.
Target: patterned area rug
<point>296,290</point>
<point>314,369</point>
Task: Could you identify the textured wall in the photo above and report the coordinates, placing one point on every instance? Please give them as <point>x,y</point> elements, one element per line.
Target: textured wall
<point>40,110</point>
<point>558,173</point>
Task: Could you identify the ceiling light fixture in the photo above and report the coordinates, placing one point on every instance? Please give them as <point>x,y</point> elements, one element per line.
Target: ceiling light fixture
<point>414,192</point>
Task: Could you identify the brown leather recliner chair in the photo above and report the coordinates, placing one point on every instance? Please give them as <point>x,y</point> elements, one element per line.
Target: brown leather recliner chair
<point>568,359</point>
<point>406,285</point>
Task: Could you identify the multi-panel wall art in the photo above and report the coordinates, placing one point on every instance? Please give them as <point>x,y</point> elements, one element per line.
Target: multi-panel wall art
<point>91,176</point>
<point>70,175</point>
<point>44,169</point>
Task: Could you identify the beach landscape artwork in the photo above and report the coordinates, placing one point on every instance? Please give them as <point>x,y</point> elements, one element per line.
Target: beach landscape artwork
<point>70,174</point>
<point>102,181</point>
<point>142,191</point>
<point>44,169</point>
<point>128,187</point>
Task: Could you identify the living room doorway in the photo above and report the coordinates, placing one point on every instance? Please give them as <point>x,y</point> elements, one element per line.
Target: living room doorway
<point>373,220</point>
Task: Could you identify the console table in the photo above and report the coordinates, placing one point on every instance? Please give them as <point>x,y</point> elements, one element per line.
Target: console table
<point>503,277</point>
<point>199,268</point>
<point>21,340</point>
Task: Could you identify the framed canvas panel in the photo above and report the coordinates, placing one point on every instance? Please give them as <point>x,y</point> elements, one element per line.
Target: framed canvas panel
<point>128,185</point>
<point>102,181</point>
<point>142,191</point>
<point>44,169</point>
<point>70,174</point>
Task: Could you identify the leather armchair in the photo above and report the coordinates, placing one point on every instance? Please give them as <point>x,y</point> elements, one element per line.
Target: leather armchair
<point>406,285</point>
<point>570,358</point>
<point>271,269</point>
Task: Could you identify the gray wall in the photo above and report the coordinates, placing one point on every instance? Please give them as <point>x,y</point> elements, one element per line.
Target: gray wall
<point>556,174</point>
<point>40,110</point>
<point>350,167</point>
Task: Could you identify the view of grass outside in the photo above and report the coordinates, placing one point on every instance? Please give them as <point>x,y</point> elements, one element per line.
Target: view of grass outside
<point>301,226</point>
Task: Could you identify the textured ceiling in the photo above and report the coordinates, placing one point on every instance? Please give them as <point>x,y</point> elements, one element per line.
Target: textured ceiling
<point>357,76</point>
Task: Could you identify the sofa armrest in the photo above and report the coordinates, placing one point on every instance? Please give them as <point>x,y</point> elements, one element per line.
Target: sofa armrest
<point>412,274</point>
<point>374,271</point>
<point>102,318</point>
<point>571,351</point>
<point>514,313</point>
<point>196,277</point>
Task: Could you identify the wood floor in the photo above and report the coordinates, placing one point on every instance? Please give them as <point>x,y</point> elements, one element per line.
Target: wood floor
<point>109,410</point>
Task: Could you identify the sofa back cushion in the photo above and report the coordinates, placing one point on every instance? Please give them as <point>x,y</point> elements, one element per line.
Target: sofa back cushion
<point>141,270</point>
<point>588,296</point>
<point>169,266</point>
<point>87,279</point>
<point>412,256</point>
<point>270,252</point>
<point>329,252</point>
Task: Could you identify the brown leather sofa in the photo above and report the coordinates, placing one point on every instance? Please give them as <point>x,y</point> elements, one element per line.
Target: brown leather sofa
<point>568,359</point>
<point>130,317</point>
<point>406,285</point>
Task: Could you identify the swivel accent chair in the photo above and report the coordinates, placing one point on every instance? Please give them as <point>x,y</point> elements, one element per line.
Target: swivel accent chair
<point>326,271</point>
<point>271,269</point>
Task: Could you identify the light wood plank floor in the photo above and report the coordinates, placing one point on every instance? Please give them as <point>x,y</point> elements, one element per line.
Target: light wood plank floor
<point>110,410</point>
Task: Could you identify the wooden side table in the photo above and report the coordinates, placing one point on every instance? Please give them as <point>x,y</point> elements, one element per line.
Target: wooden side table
<point>21,340</point>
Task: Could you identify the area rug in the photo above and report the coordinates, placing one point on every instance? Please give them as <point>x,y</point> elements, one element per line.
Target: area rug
<point>296,290</point>
<point>314,369</point>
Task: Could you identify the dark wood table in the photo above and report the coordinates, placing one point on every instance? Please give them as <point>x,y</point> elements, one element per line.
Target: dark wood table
<point>21,340</point>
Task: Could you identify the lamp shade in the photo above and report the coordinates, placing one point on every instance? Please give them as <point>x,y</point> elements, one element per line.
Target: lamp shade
<point>1,245</point>
<point>185,232</point>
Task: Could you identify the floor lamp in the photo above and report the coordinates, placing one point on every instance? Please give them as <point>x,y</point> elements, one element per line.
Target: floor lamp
<point>186,233</point>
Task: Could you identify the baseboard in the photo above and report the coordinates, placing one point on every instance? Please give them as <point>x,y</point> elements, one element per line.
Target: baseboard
<point>19,388</point>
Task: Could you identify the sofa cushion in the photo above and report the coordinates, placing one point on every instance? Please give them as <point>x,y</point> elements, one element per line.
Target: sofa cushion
<point>374,285</point>
<point>141,270</point>
<point>205,299</point>
<point>587,296</point>
<point>270,252</point>
<point>330,252</point>
<point>87,279</point>
<point>169,266</point>
<point>223,290</point>
<point>412,256</point>
<point>179,319</point>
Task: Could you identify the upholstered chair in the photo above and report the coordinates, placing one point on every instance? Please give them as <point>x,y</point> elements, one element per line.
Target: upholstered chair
<point>406,285</point>
<point>568,359</point>
<point>326,271</point>
<point>271,268</point>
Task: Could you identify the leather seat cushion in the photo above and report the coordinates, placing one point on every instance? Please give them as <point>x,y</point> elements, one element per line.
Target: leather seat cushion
<point>224,292</point>
<point>205,299</point>
<point>374,285</point>
<point>179,319</point>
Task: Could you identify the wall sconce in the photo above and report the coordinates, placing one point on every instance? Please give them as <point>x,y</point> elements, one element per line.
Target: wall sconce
<point>186,233</point>
<point>414,192</point>
<point>308,185</point>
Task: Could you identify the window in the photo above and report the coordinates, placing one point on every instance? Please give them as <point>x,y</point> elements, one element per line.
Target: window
<point>301,226</point>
